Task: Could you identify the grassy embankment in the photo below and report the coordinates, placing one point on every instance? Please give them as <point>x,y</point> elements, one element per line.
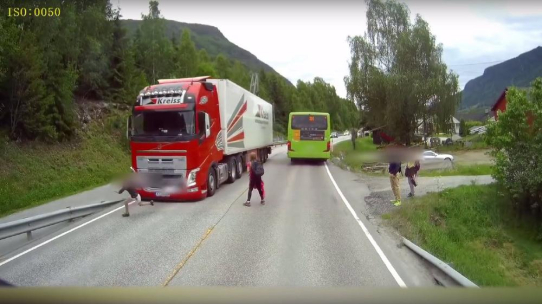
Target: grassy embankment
<point>356,158</point>
<point>474,229</point>
<point>36,173</point>
<point>353,158</point>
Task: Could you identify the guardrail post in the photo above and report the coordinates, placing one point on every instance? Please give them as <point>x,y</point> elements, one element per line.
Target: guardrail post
<point>29,235</point>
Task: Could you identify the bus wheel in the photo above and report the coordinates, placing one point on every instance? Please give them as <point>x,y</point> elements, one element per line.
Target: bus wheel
<point>211,182</point>
<point>232,166</point>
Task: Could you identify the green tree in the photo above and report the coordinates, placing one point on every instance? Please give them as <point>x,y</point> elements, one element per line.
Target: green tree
<point>207,69</point>
<point>516,147</point>
<point>93,31</point>
<point>155,53</point>
<point>396,72</point>
<point>240,75</point>
<point>187,62</point>
<point>223,66</point>
<point>30,102</point>
<point>463,128</point>
<point>203,56</point>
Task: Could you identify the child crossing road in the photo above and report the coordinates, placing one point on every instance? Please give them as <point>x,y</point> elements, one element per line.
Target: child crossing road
<point>255,179</point>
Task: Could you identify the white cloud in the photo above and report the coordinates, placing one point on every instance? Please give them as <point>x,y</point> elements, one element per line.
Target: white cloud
<point>478,32</point>
<point>303,40</point>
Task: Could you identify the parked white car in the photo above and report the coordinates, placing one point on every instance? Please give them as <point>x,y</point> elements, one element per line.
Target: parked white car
<point>430,157</point>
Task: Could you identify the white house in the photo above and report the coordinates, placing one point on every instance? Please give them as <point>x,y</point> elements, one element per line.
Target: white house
<point>456,124</point>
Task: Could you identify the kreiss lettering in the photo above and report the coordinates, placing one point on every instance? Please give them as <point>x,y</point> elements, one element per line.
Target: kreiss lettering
<point>169,100</point>
<point>262,113</point>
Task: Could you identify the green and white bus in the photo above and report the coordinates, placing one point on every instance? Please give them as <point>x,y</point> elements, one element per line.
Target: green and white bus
<point>309,136</point>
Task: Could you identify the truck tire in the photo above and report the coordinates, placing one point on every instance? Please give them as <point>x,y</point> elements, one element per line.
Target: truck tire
<point>239,166</point>
<point>232,165</point>
<point>211,182</point>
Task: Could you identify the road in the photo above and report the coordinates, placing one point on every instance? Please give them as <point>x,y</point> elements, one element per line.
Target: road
<point>307,234</point>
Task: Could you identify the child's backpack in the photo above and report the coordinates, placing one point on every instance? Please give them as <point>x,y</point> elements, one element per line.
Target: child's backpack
<point>257,168</point>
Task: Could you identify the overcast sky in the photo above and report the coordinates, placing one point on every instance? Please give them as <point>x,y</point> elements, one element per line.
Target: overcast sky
<point>304,39</point>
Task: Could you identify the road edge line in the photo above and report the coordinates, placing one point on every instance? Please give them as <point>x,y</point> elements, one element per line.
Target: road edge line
<point>383,257</point>
<point>59,236</point>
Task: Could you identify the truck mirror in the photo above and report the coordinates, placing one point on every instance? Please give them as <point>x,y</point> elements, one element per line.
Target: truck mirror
<point>128,127</point>
<point>207,125</point>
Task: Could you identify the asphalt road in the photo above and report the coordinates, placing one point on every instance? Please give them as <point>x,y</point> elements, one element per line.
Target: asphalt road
<point>305,235</point>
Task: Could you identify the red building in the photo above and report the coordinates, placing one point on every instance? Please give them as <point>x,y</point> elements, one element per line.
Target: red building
<point>500,105</point>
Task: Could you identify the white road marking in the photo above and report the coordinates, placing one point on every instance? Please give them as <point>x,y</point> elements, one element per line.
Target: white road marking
<point>64,233</point>
<point>60,235</point>
<point>369,236</point>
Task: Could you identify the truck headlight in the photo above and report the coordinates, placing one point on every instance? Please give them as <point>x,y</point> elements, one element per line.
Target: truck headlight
<point>191,178</point>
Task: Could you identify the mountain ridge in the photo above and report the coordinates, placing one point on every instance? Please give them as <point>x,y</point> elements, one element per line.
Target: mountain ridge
<point>520,71</point>
<point>211,39</point>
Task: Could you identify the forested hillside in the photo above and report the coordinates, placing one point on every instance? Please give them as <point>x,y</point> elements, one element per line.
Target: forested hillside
<point>205,37</point>
<point>47,64</point>
<point>483,91</point>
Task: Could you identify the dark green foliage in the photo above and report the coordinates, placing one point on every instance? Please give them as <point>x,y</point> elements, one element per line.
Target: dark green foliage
<point>88,53</point>
<point>397,76</point>
<point>187,61</point>
<point>463,131</point>
<point>208,38</point>
<point>516,146</point>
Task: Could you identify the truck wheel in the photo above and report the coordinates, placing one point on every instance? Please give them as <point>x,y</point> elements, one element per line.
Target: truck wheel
<point>239,167</point>
<point>231,170</point>
<point>211,182</point>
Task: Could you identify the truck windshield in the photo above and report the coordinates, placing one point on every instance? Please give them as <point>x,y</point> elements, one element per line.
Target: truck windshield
<point>164,123</point>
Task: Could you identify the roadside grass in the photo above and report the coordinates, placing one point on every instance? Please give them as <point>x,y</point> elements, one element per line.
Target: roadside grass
<point>475,229</point>
<point>354,158</point>
<point>36,173</point>
<point>476,143</point>
<point>476,169</point>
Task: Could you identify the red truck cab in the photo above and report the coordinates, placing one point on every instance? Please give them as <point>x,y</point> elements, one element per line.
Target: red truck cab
<point>173,134</point>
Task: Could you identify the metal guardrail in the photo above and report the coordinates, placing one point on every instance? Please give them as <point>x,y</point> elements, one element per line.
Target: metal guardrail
<point>452,273</point>
<point>29,224</point>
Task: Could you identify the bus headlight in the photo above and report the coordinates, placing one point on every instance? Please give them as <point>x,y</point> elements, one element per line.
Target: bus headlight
<point>191,179</point>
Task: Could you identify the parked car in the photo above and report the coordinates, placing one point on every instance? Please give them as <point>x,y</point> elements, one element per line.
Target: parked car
<point>430,157</point>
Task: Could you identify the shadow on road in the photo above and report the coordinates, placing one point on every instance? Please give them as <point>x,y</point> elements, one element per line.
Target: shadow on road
<point>307,162</point>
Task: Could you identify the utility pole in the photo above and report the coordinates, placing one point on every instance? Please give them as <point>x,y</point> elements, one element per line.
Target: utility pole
<point>254,84</point>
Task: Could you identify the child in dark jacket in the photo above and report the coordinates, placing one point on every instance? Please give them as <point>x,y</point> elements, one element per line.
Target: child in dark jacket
<point>411,173</point>
<point>255,181</point>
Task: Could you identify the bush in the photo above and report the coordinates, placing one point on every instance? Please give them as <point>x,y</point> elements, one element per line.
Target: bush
<point>463,131</point>
<point>471,123</point>
<point>517,145</point>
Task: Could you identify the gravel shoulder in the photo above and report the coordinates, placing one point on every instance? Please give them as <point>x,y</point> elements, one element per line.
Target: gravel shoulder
<point>378,202</point>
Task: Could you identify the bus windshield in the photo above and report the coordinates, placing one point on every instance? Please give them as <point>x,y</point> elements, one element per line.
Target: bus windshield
<point>309,122</point>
